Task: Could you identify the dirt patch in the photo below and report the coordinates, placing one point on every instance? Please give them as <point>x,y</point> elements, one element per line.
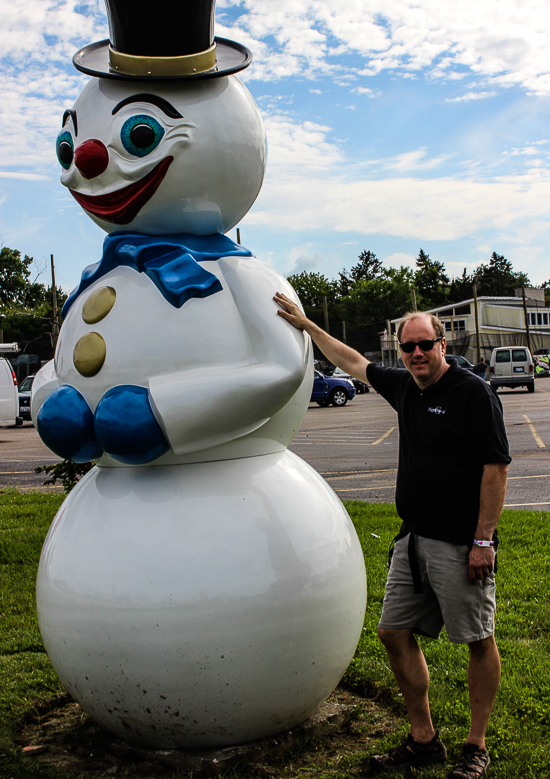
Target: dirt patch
<point>346,726</point>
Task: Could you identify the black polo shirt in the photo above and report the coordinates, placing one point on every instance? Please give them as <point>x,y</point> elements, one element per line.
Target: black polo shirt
<point>447,433</point>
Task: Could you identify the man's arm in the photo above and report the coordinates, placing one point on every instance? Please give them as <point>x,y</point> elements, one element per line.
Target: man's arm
<point>337,352</point>
<point>492,493</point>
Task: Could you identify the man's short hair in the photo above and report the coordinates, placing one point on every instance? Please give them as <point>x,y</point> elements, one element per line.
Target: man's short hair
<point>436,323</point>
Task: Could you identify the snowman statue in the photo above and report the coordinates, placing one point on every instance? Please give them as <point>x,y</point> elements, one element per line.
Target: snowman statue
<point>201,586</point>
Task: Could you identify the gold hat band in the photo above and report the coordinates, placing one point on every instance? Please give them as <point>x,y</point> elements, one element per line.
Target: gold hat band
<point>185,65</point>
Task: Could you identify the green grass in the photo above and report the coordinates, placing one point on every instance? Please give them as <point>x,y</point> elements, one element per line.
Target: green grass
<point>519,732</point>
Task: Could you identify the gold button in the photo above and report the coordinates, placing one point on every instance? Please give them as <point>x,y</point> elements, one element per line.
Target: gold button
<point>98,305</point>
<point>89,354</point>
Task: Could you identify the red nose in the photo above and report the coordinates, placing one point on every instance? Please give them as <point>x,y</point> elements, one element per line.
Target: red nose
<point>91,158</point>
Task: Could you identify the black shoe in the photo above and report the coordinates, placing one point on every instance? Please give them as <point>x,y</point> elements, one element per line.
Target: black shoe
<point>410,753</point>
<point>473,763</point>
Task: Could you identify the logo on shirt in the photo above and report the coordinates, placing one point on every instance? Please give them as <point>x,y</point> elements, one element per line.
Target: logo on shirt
<point>437,410</point>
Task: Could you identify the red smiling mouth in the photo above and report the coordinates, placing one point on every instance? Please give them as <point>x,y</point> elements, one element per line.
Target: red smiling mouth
<point>123,205</point>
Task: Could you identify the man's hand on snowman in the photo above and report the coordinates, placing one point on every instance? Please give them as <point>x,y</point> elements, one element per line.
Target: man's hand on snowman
<point>291,312</point>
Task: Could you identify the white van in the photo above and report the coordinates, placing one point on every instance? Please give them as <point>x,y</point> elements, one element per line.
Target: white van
<point>9,399</point>
<point>512,366</point>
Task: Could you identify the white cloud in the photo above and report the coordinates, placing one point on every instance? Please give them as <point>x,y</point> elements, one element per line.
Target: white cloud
<point>425,209</point>
<point>4,174</point>
<point>470,96</point>
<point>398,259</point>
<point>365,91</point>
<point>504,41</point>
<point>299,146</point>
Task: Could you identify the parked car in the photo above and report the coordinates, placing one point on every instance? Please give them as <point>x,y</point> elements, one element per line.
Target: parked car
<point>512,366</point>
<point>25,389</point>
<point>8,395</point>
<point>462,361</point>
<point>360,386</point>
<point>333,390</point>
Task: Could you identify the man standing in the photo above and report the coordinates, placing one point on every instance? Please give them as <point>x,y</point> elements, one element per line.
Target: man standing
<point>451,431</point>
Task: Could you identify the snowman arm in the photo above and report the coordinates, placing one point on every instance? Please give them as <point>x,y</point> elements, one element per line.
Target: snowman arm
<point>253,284</point>
<point>203,407</point>
<point>45,382</point>
<point>207,407</point>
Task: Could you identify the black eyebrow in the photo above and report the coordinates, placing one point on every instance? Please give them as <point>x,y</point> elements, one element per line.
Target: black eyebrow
<point>160,102</point>
<point>70,112</point>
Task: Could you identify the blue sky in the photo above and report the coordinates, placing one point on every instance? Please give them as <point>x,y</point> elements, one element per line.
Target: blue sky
<point>392,125</point>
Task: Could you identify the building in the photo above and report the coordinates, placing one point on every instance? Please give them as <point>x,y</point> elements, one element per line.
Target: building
<point>501,321</point>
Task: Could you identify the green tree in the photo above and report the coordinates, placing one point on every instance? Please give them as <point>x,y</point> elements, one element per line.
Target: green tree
<point>311,288</point>
<point>14,277</point>
<point>26,307</point>
<point>546,288</point>
<point>368,267</point>
<point>461,288</point>
<point>498,278</point>
<point>372,301</point>
<point>431,281</point>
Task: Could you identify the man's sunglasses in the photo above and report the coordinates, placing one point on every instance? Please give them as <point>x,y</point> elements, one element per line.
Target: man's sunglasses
<point>425,346</point>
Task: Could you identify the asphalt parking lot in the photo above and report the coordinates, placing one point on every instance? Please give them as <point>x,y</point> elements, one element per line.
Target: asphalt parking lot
<point>355,449</point>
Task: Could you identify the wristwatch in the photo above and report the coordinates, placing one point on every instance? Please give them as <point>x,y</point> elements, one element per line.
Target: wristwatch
<point>484,543</point>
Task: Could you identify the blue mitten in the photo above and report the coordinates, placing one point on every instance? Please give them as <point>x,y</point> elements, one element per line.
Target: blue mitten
<point>126,427</point>
<point>66,425</point>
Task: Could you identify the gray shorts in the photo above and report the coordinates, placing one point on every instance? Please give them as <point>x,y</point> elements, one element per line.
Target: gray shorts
<point>467,610</point>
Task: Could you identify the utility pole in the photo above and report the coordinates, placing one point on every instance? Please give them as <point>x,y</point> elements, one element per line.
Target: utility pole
<point>55,326</point>
<point>526,319</point>
<point>343,331</point>
<point>239,235</point>
<point>325,311</point>
<point>413,295</point>
<point>476,314</point>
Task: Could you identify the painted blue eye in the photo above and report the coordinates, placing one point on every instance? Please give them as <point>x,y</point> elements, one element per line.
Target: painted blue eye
<point>141,134</point>
<point>65,149</point>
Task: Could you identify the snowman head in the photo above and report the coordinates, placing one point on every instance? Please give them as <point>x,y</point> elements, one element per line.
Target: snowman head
<point>169,157</point>
<point>164,139</point>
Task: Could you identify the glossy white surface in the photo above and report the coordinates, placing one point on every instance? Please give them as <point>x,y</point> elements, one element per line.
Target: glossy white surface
<point>218,147</point>
<point>201,605</point>
<point>220,370</point>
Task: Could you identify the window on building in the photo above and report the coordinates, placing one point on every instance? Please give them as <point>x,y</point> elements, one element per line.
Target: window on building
<point>462,309</point>
<point>545,319</point>
<point>459,324</point>
<point>448,327</point>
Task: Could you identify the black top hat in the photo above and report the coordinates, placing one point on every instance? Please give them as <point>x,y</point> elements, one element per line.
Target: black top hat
<point>162,41</point>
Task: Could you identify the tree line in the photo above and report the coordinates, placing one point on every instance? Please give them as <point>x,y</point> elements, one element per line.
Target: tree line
<point>26,305</point>
<point>364,297</point>
<point>369,294</point>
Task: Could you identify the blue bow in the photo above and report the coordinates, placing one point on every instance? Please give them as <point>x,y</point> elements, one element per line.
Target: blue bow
<point>170,261</point>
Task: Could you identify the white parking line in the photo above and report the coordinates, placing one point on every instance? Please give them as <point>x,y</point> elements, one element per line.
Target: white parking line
<point>536,436</point>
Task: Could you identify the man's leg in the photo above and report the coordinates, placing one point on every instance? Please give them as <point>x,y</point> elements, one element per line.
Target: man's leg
<point>483,681</point>
<point>411,672</point>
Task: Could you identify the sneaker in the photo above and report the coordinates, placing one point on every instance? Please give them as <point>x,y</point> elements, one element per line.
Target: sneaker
<point>410,753</point>
<point>473,763</point>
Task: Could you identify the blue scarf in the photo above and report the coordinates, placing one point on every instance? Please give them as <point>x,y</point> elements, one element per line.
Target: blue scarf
<point>170,261</point>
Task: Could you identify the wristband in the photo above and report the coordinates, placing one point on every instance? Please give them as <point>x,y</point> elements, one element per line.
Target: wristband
<point>484,543</point>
